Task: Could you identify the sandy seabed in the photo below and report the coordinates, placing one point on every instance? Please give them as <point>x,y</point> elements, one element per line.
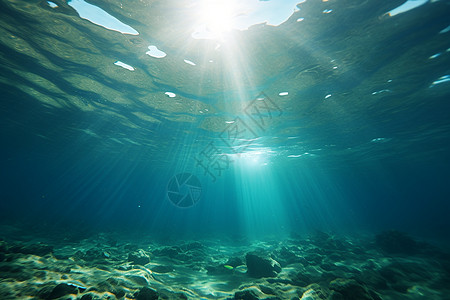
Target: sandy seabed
<point>390,265</point>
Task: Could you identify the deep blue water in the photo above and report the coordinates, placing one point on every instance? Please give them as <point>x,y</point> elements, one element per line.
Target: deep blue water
<point>372,156</point>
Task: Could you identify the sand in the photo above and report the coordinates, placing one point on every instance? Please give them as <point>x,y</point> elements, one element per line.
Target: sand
<point>390,265</point>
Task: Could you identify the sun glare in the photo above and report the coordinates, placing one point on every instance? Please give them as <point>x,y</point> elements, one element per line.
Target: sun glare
<point>217,15</point>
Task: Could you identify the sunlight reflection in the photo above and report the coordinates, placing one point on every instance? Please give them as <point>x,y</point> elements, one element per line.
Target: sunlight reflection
<point>255,158</point>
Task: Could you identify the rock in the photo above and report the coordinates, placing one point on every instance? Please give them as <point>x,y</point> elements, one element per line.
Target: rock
<point>248,294</point>
<point>286,256</point>
<point>192,246</point>
<point>328,266</point>
<point>139,257</point>
<point>314,259</point>
<point>395,242</point>
<point>404,271</point>
<point>172,295</point>
<point>374,280</point>
<point>336,296</point>
<point>350,289</point>
<point>310,295</point>
<point>267,290</point>
<point>131,247</point>
<point>172,252</point>
<point>234,262</point>
<point>259,266</point>
<point>138,279</point>
<point>38,249</point>
<point>62,289</point>
<point>146,294</point>
<point>162,269</point>
<point>93,254</point>
<point>314,292</point>
<point>3,247</point>
<point>219,270</point>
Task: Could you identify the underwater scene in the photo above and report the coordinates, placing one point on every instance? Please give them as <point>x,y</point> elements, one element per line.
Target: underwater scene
<point>225,149</point>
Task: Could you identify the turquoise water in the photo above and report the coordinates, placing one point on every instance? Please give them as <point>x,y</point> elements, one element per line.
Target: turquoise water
<point>156,118</point>
<point>352,131</point>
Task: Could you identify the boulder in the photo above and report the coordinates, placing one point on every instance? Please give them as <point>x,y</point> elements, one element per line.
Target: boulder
<point>139,257</point>
<point>38,249</point>
<point>162,269</point>
<point>172,252</point>
<point>251,293</point>
<point>395,242</point>
<point>350,289</point>
<point>62,289</point>
<point>146,294</point>
<point>261,266</point>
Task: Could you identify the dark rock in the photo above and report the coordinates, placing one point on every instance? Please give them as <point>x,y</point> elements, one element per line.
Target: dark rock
<point>87,297</point>
<point>259,266</point>
<point>38,249</point>
<point>138,279</point>
<point>335,257</point>
<point>162,269</point>
<point>279,280</point>
<point>234,262</point>
<point>336,296</point>
<point>192,246</point>
<point>286,256</point>
<point>247,294</point>
<point>267,290</point>
<point>118,292</point>
<point>374,295</point>
<point>315,292</point>
<point>350,289</point>
<point>395,242</point>
<point>320,238</point>
<point>139,257</point>
<point>78,254</point>
<point>93,254</point>
<point>62,289</point>
<point>172,295</point>
<point>399,272</point>
<point>401,287</point>
<point>172,252</point>
<point>302,279</point>
<point>13,271</point>
<point>374,279</point>
<point>313,259</point>
<point>131,247</point>
<point>328,267</point>
<point>45,291</point>
<point>218,270</point>
<point>3,247</point>
<point>146,294</point>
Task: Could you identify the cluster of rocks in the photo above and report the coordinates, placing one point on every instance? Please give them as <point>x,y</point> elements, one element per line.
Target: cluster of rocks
<point>318,267</point>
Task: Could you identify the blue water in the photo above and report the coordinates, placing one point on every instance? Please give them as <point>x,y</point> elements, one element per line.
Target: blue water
<point>360,143</point>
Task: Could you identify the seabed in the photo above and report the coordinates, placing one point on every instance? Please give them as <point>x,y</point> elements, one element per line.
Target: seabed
<point>390,265</point>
